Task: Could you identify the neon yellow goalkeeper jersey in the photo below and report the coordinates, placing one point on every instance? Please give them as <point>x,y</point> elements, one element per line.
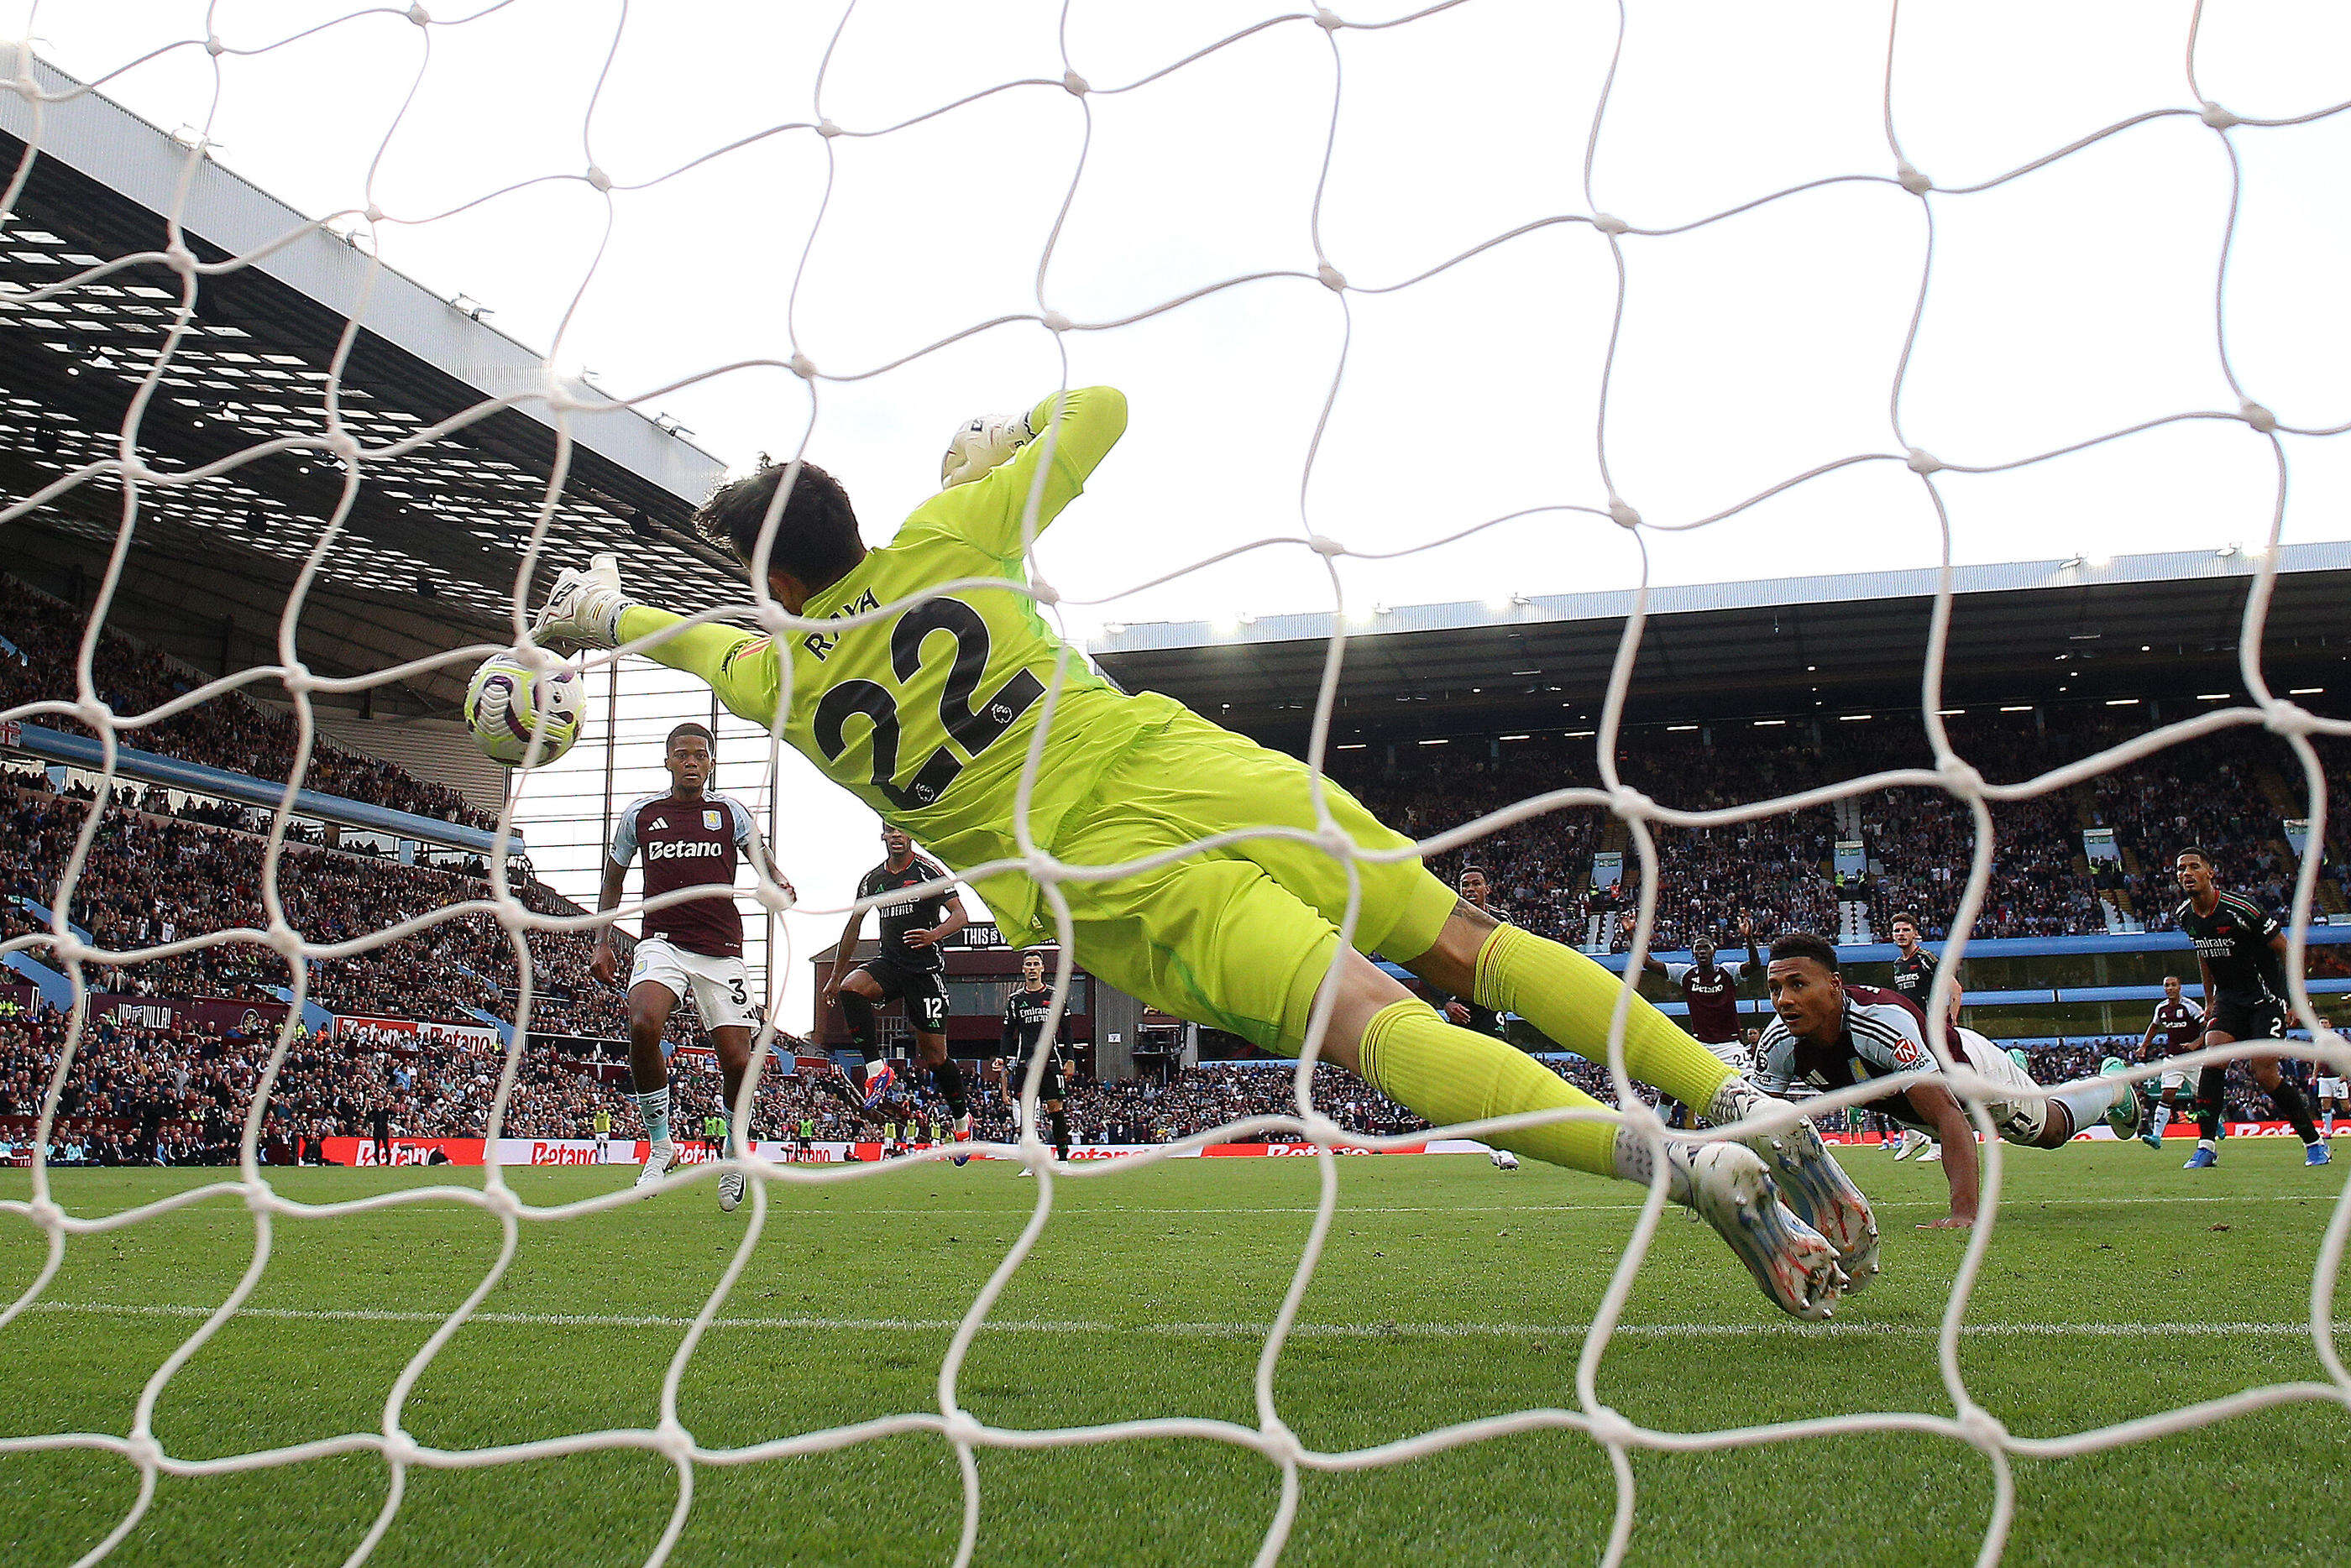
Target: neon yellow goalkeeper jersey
<point>927,713</point>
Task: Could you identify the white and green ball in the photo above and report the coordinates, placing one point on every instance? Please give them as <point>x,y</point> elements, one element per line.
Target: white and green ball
<point>507,702</point>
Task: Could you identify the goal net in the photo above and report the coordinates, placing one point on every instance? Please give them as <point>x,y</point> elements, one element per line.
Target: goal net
<point>1466,301</point>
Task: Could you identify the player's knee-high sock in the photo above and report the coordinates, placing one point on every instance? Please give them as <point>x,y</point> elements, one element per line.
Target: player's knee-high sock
<point>2089,1104</point>
<point>2295,1109</point>
<point>1572,999</point>
<point>654,1108</point>
<point>859,1013</point>
<point>1061,1120</point>
<point>2211,1083</point>
<point>2162,1117</point>
<point>947,1078</point>
<point>1447,1075</point>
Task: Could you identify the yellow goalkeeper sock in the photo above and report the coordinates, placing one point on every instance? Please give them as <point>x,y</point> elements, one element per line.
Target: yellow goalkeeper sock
<point>1447,1075</point>
<point>1571,999</point>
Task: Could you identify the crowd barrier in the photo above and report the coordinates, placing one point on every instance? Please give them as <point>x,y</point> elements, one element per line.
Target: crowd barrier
<point>622,1151</point>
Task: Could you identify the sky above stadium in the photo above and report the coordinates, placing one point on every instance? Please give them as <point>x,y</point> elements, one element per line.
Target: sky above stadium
<point>2076,300</point>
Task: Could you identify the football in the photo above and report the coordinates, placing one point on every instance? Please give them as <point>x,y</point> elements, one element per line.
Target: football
<point>507,702</point>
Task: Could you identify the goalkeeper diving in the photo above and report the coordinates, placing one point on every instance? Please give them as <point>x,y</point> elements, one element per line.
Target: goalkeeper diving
<point>927,713</point>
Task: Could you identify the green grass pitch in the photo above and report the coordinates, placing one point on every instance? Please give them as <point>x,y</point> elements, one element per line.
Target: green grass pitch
<point>2117,1287</point>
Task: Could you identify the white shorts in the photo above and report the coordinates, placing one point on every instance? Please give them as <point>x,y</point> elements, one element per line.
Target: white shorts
<point>2174,1078</point>
<point>2331,1089</point>
<point>721,987</point>
<point>2020,1121</point>
<point>1731,1052</point>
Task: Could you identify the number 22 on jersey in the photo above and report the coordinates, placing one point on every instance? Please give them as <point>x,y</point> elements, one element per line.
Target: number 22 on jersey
<point>972,725</point>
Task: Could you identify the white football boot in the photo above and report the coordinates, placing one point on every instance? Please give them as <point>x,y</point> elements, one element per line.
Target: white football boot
<point>584,606</point>
<point>658,1159</point>
<point>730,1190</point>
<point>1932,1154</point>
<point>1814,1184</point>
<point>1728,1186</point>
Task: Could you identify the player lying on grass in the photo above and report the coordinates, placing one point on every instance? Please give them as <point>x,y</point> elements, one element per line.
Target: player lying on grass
<point>1832,1036</point>
<point>927,713</point>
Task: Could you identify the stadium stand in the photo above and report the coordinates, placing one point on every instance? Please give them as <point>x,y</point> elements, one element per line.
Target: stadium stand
<point>226,732</point>
<point>180,1095</point>
<point>2227,791</point>
<point>154,878</point>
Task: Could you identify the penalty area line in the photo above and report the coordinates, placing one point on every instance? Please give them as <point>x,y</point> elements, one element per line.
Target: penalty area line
<point>1202,1330</point>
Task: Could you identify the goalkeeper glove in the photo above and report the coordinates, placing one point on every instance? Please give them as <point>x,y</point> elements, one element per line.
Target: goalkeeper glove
<point>981,445</point>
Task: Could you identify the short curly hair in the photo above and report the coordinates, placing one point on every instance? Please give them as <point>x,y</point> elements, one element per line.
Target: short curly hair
<point>816,535</point>
<point>1807,945</point>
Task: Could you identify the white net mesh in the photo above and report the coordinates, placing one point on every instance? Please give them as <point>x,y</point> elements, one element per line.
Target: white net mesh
<point>1631,239</point>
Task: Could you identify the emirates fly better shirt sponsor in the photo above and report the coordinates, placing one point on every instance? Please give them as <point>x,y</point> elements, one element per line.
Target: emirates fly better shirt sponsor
<point>688,842</point>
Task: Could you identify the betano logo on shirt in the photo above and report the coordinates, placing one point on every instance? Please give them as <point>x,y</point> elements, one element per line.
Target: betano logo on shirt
<point>692,849</point>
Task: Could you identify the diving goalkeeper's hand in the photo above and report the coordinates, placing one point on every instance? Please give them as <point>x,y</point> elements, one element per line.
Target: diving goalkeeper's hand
<point>982,444</point>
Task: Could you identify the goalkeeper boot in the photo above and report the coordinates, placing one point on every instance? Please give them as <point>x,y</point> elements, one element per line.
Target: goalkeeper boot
<point>2315,1154</point>
<point>584,606</point>
<point>2203,1159</point>
<point>658,1159</point>
<point>1729,1187</point>
<point>1814,1184</point>
<point>730,1191</point>
<point>2123,1115</point>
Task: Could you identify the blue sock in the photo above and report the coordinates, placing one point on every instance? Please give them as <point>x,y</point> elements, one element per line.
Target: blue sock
<point>654,1108</point>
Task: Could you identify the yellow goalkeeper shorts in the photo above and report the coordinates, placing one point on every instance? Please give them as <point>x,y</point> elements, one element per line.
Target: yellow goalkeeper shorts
<point>1237,936</point>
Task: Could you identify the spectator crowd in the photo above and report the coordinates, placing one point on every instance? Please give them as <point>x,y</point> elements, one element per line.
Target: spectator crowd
<point>157,874</point>
<point>224,732</point>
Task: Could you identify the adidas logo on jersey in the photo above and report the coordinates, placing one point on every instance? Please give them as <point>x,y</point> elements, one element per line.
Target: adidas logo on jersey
<point>691,849</point>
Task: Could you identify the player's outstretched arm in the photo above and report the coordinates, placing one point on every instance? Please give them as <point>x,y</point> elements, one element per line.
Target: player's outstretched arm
<point>1650,962</point>
<point>604,964</point>
<point>764,857</point>
<point>1940,1109</point>
<point>1075,430</point>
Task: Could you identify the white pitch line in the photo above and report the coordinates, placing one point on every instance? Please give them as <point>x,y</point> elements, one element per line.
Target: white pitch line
<point>1206,1330</point>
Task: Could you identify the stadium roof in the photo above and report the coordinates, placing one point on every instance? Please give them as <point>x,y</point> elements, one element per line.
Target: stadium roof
<point>2139,626</point>
<point>430,551</point>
